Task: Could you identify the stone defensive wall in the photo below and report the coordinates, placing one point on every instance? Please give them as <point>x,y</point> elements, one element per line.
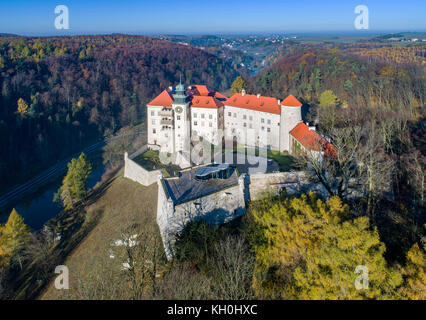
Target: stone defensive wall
<point>260,185</point>
<point>137,173</point>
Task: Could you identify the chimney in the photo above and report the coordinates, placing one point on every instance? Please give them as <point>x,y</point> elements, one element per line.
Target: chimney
<point>311,127</point>
<point>258,95</point>
<point>243,92</point>
<point>170,88</point>
<point>279,101</point>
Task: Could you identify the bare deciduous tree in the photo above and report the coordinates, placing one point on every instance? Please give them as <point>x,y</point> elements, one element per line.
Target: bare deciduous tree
<point>232,269</point>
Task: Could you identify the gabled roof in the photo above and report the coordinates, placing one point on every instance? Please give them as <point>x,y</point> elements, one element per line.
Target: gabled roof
<point>202,90</point>
<point>220,96</point>
<point>164,99</point>
<point>311,140</point>
<point>253,102</point>
<point>205,102</point>
<point>291,101</point>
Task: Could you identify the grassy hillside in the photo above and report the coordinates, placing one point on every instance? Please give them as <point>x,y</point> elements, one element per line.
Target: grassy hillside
<point>124,204</point>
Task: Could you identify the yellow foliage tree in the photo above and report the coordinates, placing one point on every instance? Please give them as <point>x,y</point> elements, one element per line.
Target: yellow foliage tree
<point>310,249</point>
<point>22,107</point>
<point>414,274</point>
<point>13,237</point>
<point>238,84</point>
<point>328,99</point>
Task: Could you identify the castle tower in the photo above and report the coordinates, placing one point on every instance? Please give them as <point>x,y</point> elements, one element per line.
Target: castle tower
<point>291,115</point>
<point>182,129</point>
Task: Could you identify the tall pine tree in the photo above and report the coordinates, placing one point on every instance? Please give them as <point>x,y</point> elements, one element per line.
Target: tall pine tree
<point>74,187</point>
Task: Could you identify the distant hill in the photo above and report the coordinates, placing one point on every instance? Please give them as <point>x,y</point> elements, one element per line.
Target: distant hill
<point>357,81</point>
<point>8,35</point>
<point>75,89</point>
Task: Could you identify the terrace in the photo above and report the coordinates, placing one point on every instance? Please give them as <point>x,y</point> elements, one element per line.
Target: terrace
<point>150,160</point>
<point>186,186</point>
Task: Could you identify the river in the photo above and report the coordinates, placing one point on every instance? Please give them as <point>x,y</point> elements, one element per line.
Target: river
<point>37,208</point>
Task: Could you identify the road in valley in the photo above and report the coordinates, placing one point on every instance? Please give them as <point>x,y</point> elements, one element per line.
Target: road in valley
<point>55,170</point>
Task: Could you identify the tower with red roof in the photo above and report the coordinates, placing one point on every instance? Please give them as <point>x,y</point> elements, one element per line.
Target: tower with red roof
<point>291,115</point>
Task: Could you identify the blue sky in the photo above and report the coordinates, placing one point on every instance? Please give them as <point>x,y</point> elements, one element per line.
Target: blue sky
<point>216,16</point>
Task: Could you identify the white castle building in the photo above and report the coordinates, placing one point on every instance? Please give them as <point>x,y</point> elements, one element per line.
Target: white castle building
<point>217,192</point>
<point>181,115</point>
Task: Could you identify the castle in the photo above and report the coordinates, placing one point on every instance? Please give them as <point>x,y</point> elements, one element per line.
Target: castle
<point>217,192</point>
<point>178,116</point>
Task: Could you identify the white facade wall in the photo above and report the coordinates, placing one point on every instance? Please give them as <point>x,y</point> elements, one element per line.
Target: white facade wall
<point>206,122</point>
<point>158,133</point>
<point>153,124</point>
<point>182,127</point>
<point>290,117</point>
<point>239,121</point>
<point>251,127</point>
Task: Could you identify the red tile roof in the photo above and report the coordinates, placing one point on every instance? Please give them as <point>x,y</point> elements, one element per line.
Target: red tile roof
<point>220,96</point>
<point>205,102</point>
<point>291,101</point>
<point>164,99</point>
<point>202,90</point>
<point>311,140</point>
<point>252,102</point>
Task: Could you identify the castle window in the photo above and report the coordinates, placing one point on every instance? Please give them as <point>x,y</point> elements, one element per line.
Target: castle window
<point>251,118</point>
<point>244,117</point>
<point>210,124</point>
<point>263,128</point>
<point>202,116</point>
<point>152,113</point>
<point>245,124</point>
<point>269,121</point>
<point>250,126</point>
<point>269,130</point>
<point>158,113</point>
<point>178,117</point>
<point>262,120</point>
<point>195,115</point>
<point>278,124</point>
<point>154,131</point>
<point>210,116</point>
<point>195,123</point>
<point>229,114</point>
<point>153,121</point>
<point>235,115</point>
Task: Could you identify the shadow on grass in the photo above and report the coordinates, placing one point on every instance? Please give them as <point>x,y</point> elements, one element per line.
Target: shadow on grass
<point>74,225</point>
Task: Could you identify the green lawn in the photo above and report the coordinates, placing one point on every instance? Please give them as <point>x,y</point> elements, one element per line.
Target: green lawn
<point>284,161</point>
<point>150,160</point>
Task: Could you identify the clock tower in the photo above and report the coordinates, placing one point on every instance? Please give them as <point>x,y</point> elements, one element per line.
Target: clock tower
<point>182,126</point>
